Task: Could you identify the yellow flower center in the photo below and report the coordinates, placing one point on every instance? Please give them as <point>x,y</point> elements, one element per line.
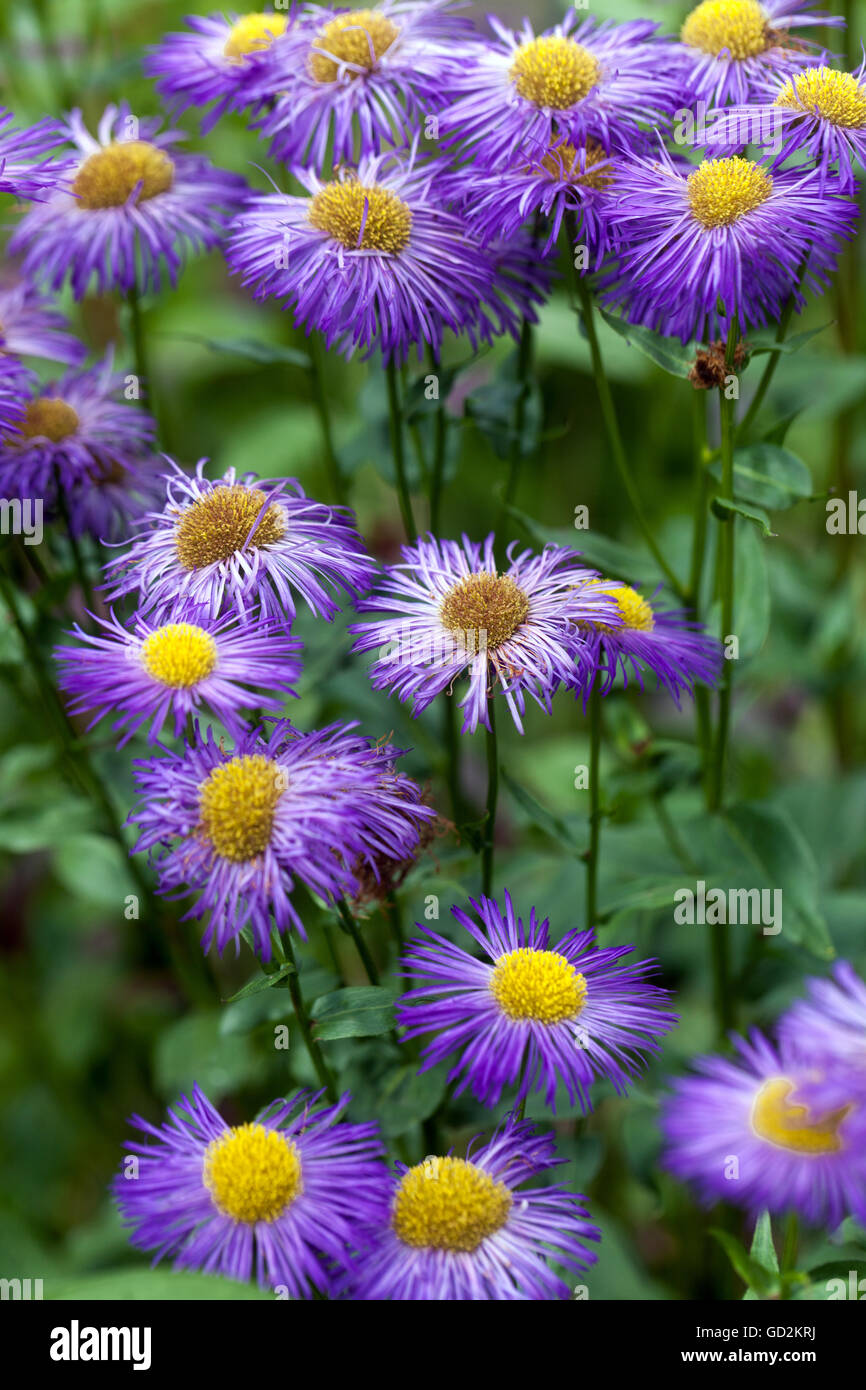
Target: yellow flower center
<point>107,178</point>
<point>790,1126</point>
<point>835,96</point>
<point>561,162</point>
<point>359,37</point>
<point>48,418</point>
<point>538,985</point>
<point>449,1204</point>
<point>738,26</point>
<point>252,33</point>
<point>179,655</point>
<point>721,191</point>
<point>554,72</point>
<point>634,610</point>
<point>487,608</point>
<point>253,1173</point>
<point>344,207</point>
<point>217,525</point>
<point>237,802</point>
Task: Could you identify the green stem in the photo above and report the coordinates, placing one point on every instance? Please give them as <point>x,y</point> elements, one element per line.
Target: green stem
<point>766,376</point>
<point>452,745</point>
<point>440,440</point>
<point>313,1049</point>
<point>138,341</point>
<point>594,804</point>
<point>699,545</point>
<point>725,570</point>
<point>790,1243</point>
<point>350,926</point>
<point>395,413</point>
<point>515,453</point>
<point>317,381</point>
<point>492,797</point>
<point>77,554</point>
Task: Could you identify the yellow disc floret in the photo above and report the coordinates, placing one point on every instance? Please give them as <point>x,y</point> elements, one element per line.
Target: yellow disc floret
<point>345,207</point>
<point>554,72</point>
<point>48,418</point>
<point>836,97</point>
<point>538,985</point>
<point>359,37</point>
<point>737,27</point>
<point>449,1204</point>
<point>218,524</point>
<point>179,655</point>
<point>237,802</point>
<point>721,191</point>
<point>790,1126</point>
<point>252,33</point>
<point>107,178</point>
<point>486,608</point>
<point>562,162</point>
<point>253,1173</point>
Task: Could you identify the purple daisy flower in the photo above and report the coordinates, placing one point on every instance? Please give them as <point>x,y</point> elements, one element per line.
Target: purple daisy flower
<point>243,543</point>
<point>215,64</point>
<point>16,381</point>
<point>467,1230</point>
<point>350,82</point>
<point>114,495</point>
<point>733,231</point>
<point>447,612</point>
<point>531,1014</point>
<point>242,827</point>
<point>521,95</point>
<point>522,278</point>
<point>731,46</point>
<point>765,1130</point>
<point>818,111</point>
<point>664,641</point>
<point>158,670</point>
<point>831,1022</point>
<point>19,148</point>
<point>73,431</point>
<point>32,327</point>
<point>131,209</point>
<point>288,1197</point>
<point>371,258</point>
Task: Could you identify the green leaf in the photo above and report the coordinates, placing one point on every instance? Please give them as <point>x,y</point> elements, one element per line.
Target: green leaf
<point>551,824</point>
<point>753,1274</point>
<point>266,353</point>
<point>193,1050</point>
<point>767,475</point>
<point>361,1011</point>
<point>763,1250</point>
<point>817,1289</point>
<point>724,508</point>
<point>669,353</point>
<point>616,561</point>
<point>145,1285</point>
<point>96,869</point>
<point>766,341</point>
<point>260,982</point>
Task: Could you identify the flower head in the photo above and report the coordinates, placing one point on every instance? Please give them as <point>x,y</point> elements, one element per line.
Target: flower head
<point>241,544</point>
<point>242,826</point>
<point>531,1014</point>
<point>696,245</point>
<point>648,638</point>
<point>339,77</point>
<point>287,1198</point>
<point>16,381</point>
<point>24,172</point>
<point>164,672</point>
<point>216,64</point>
<point>731,46</point>
<point>372,258</point>
<point>131,208</point>
<point>766,1129</point>
<point>32,327</point>
<point>518,95</point>
<point>831,1022</point>
<point>446,611</point>
<point>467,1229</point>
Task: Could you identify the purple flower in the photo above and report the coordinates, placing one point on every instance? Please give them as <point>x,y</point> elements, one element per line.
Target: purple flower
<point>19,175</point>
<point>287,1198</point>
<point>156,671</point>
<point>733,232</point>
<point>767,1130</point>
<point>467,1230</point>
<point>531,1014</point>
<point>350,82</point>
<point>240,543</point>
<point>731,46</point>
<point>74,432</point>
<point>214,65</point>
<point>666,642</point>
<point>831,1022</point>
<point>107,501</point>
<point>521,95</point>
<point>242,827</point>
<point>131,209</point>
<point>15,383</point>
<point>31,326</point>
<point>372,258</point>
<point>448,612</point>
